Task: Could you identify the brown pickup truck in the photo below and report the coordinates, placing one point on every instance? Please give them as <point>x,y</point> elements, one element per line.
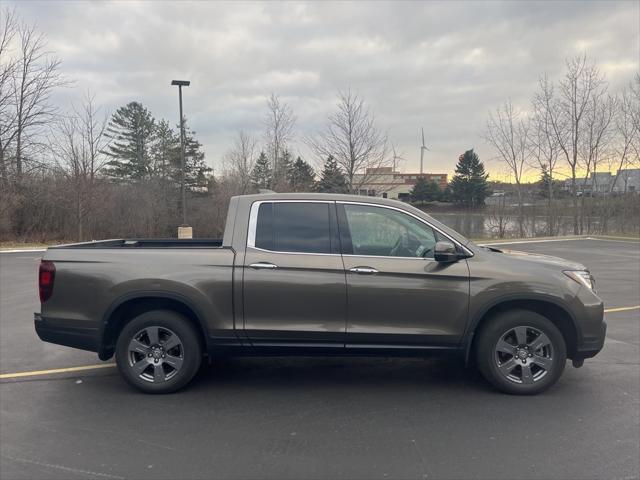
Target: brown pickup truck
<point>319,274</point>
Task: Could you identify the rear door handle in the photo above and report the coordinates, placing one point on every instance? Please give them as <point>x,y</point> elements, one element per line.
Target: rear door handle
<point>263,265</point>
<point>363,270</point>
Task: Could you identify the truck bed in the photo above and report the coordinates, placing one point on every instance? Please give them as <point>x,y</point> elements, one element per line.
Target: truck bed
<point>148,243</point>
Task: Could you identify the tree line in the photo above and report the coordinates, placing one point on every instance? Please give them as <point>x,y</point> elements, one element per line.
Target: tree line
<point>468,188</point>
<point>350,147</point>
<point>81,172</point>
<point>573,124</point>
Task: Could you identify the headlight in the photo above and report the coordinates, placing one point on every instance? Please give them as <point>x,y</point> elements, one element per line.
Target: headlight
<point>583,277</point>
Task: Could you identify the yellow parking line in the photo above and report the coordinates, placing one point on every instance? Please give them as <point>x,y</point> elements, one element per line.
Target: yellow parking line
<point>621,309</point>
<point>56,370</point>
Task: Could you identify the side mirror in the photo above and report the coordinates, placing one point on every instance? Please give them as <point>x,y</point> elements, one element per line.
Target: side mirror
<point>445,252</point>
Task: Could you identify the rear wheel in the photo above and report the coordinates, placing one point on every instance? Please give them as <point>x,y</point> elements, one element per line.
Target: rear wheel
<point>158,352</point>
<point>521,352</point>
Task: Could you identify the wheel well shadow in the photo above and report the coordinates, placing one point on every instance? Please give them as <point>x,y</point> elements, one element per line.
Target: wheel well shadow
<point>130,309</point>
<point>557,315</point>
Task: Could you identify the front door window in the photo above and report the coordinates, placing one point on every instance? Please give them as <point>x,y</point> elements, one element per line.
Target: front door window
<point>379,231</point>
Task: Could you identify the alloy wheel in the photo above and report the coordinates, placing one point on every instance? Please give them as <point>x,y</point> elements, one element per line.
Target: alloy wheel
<point>155,354</point>
<point>524,355</point>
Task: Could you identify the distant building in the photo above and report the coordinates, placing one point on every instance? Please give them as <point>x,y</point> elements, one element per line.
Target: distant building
<point>385,182</point>
<point>628,181</point>
<point>601,183</point>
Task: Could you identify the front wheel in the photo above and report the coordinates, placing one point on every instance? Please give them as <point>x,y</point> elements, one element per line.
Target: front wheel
<point>521,352</point>
<point>158,352</point>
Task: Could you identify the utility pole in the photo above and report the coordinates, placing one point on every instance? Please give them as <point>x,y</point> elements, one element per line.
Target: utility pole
<point>184,231</point>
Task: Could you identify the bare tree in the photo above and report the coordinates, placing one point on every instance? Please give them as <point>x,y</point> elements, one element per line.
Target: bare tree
<point>77,145</point>
<point>279,124</point>
<point>35,77</point>
<point>627,128</point>
<point>508,133</point>
<point>595,144</point>
<point>598,133</point>
<point>544,144</point>
<point>8,65</point>
<point>351,137</point>
<point>581,83</point>
<point>634,100</point>
<point>240,160</point>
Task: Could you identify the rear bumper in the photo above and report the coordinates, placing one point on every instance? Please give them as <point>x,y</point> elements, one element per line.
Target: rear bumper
<point>70,333</point>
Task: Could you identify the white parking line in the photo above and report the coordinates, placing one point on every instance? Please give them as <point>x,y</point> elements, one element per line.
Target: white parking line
<point>546,240</point>
<point>24,250</point>
<point>635,242</point>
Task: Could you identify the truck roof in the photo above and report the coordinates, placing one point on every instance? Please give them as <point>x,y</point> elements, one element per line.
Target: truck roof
<point>321,196</point>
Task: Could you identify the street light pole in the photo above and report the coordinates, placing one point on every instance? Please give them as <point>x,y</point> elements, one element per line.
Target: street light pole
<point>180,84</point>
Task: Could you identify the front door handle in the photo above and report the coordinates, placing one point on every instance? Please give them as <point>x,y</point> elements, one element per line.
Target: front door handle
<point>363,270</point>
<point>263,265</point>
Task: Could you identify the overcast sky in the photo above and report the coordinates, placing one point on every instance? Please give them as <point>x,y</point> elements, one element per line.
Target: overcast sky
<point>441,65</point>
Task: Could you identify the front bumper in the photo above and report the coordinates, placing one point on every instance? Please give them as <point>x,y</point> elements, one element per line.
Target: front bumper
<point>592,329</point>
<point>591,345</point>
<point>70,333</point>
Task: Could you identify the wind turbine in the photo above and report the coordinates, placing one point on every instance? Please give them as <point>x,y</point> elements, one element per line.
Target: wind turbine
<point>422,149</point>
<point>396,157</point>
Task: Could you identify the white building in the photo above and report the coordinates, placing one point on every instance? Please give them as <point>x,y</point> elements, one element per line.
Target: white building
<point>628,180</point>
<point>385,182</point>
<point>601,183</point>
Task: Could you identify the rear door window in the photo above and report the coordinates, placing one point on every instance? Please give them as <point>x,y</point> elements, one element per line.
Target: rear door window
<point>297,227</point>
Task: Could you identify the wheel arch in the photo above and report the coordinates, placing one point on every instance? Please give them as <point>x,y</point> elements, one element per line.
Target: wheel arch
<point>129,306</point>
<point>555,312</point>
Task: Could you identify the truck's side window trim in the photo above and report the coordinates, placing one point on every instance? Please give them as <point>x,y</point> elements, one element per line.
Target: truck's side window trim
<point>346,237</point>
<point>333,229</point>
<point>343,228</point>
<point>354,247</point>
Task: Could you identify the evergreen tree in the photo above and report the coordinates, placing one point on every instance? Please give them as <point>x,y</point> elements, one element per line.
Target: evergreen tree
<point>261,175</point>
<point>545,184</point>
<point>425,191</point>
<point>469,184</point>
<point>131,130</point>
<point>446,195</point>
<point>165,151</point>
<point>301,177</point>
<point>332,179</point>
<point>196,171</point>
<point>281,178</point>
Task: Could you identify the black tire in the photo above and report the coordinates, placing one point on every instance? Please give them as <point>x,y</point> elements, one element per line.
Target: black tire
<point>168,369</point>
<point>516,367</point>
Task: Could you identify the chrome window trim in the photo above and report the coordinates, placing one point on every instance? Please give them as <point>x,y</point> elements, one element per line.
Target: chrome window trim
<point>422,259</point>
<point>388,207</point>
<point>253,223</point>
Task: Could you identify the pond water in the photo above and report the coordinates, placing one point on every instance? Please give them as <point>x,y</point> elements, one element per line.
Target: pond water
<point>482,225</point>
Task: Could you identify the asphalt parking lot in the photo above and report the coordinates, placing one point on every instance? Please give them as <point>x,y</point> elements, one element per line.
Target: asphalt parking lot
<point>318,418</point>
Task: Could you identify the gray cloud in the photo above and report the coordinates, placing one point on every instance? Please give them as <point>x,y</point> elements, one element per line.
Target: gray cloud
<point>441,65</point>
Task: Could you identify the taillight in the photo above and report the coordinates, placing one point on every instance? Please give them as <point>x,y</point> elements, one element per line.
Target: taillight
<point>46,276</point>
